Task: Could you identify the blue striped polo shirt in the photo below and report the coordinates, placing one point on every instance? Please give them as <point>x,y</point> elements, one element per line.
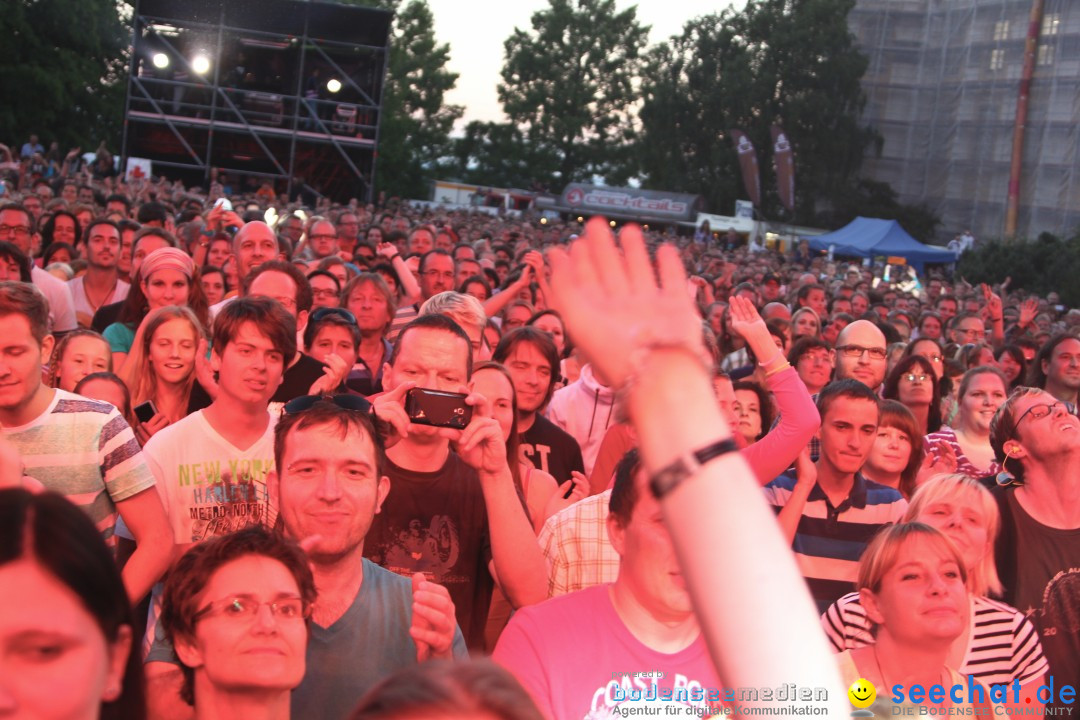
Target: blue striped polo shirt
<point>830,540</point>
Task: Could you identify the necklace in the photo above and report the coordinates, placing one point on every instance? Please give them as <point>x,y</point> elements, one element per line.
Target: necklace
<point>881,672</point>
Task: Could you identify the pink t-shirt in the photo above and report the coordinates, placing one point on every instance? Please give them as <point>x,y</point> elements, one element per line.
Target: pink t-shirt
<point>578,660</point>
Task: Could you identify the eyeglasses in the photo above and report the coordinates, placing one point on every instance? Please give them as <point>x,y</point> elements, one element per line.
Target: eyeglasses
<point>1038,412</point>
<point>246,608</point>
<point>14,230</point>
<point>340,312</point>
<point>854,351</point>
<point>933,358</point>
<point>912,377</point>
<point>345,402</point>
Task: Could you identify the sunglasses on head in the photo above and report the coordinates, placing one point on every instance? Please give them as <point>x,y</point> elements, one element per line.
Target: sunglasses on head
<point>346,402</point>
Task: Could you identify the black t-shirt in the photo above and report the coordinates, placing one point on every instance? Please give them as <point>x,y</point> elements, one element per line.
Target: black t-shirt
<point>436,523</point>
<point>297,381</point>
<point>1040,567</point>
<point>105,316</point>
<point>551,449</point>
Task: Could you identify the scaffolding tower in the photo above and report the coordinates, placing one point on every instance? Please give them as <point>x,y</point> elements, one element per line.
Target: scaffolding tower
<point>942,87</point>
<point>280,91</point>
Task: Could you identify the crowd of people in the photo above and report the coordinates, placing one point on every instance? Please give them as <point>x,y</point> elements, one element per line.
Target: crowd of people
<point>684,467</point>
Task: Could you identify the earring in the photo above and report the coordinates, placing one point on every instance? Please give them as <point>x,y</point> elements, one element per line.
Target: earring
<point>1006,478</point>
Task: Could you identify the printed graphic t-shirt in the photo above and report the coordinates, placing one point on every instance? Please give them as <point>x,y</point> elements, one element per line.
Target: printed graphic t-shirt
<point>610,675</point>
<point>436,523</point>
<point>210,487</point>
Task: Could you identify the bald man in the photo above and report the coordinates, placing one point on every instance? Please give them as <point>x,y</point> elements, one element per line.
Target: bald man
<point>776,310</point>
<point>861,354</point>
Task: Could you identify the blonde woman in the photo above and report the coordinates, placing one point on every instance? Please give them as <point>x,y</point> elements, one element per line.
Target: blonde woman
<point>999,644</point>
<point>161,366</point>
<point>912,587</point>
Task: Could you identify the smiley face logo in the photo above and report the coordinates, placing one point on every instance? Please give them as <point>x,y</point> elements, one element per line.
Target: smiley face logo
<point>862,693</point>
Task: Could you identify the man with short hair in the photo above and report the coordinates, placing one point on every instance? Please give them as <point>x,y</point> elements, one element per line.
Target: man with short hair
<point>947,308</point>
<point>78,447</point>
<point>421,240</point>
<point>532,360</point>
<point>330,485</point>
<point>467,312</point>
<point>634,641</point>
<point>211,467</point>
<point>1056,369</point>
<point>861,354</point>
<point>454,512</point>
<point>967,328</point>
<point>436,276</point>
<point>101,285</point>
<point>1037,441</point>
<point>292,227</point>
<point>813,297</point>
<point>322,239</point>
<point>841,509</point>
<point>348,233</point>
<point>465,269</point>
<point>17,226</point>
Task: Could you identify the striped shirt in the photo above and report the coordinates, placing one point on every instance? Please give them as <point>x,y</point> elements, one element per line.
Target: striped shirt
<point>1002,645</point>
<point>947,436</point>
<point>829,540</point>
<point>402,317</point>
<point>85,450</point>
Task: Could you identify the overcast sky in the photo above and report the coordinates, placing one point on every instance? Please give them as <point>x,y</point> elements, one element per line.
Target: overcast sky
<point>476,30</point>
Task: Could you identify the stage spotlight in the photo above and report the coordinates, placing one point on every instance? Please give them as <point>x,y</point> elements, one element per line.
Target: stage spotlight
<point>200,64</point>
<point>160,60</point>
<point>333,85</point>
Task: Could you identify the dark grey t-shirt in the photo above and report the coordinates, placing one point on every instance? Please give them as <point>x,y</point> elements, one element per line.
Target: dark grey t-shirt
<point>370,641</point>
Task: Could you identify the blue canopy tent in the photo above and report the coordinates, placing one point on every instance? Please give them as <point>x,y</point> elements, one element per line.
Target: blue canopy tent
<point>869,237</point>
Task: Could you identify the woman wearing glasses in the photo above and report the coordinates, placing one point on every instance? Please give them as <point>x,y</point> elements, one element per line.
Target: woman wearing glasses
<point>982,391</point>
<point>236,609</point>
<point>912,383</point>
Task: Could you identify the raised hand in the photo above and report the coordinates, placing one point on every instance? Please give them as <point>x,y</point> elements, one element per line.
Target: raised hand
<point>941,459</point>
<point>612,304</point>
<point>333,375</point>
<point>433,620</point>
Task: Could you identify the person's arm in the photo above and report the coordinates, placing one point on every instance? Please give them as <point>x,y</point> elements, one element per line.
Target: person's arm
<point>994,310</point>
<point>145,517</point>
<point>517,562</point>
<point>791,513</point>
<point>799,420</point>
<point>753,604</point>
<point>409,287</point>
<point>494,304</point>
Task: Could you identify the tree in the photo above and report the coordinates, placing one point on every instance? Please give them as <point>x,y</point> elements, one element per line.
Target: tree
<point>790,62</point>
<point>66,70</point>
<point>570,85</point>
<point>414,130</point>
<point>498,154</point>
<point>414,133</point>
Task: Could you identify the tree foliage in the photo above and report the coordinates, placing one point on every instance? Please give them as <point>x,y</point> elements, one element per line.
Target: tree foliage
<point>65,72</point>
<point>499,154</point>
<point>569,84</point>
<point>790,62</point>
<point>414,132</point>
<point>1040,266</point>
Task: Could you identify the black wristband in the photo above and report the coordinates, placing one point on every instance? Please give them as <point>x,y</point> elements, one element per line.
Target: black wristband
<point>668,478</point>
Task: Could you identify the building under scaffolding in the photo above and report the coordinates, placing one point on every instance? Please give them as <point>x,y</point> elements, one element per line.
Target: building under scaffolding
<point>942,86</point>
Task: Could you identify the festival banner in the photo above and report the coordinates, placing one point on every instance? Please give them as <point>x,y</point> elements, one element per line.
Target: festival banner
<point>785,167</point>
<point>748,162</point>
